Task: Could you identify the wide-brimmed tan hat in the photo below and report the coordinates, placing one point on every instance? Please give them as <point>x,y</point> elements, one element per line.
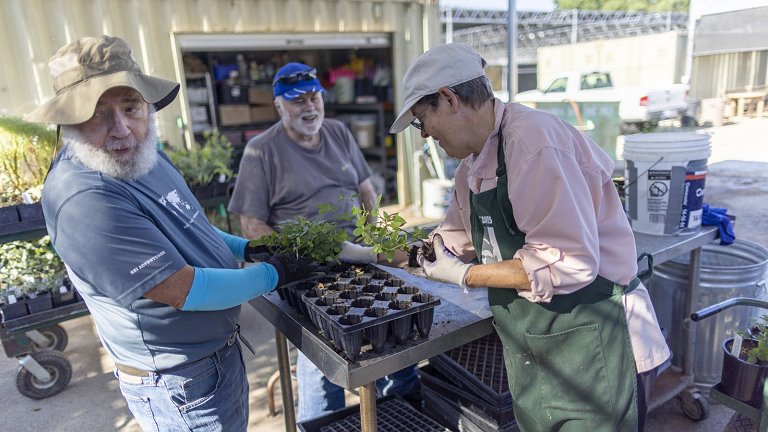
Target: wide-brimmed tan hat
<point>84,69</point>
<point>443,65</point>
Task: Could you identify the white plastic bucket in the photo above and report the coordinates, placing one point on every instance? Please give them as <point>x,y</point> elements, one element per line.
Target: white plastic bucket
<point>436,196</point>
<point>665,175</point>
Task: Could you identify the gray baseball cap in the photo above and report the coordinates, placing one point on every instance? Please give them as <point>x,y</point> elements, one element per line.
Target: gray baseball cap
<point>443,65</point>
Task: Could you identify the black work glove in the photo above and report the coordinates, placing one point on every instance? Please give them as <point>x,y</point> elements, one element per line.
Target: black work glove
<point>291,269</point>
<point>412,256</point>
<point>255,252</point>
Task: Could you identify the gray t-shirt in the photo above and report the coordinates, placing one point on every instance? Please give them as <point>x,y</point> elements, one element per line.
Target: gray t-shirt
<point>280,180</point>
<point>119,239</point>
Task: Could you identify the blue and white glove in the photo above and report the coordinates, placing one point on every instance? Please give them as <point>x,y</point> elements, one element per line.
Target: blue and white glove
<point>356,254</point>
<point>447,267</point>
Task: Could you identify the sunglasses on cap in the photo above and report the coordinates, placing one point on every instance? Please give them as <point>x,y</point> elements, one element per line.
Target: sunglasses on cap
<point>295,77</point>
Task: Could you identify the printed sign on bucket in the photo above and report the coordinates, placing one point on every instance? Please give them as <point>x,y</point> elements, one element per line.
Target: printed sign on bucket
<point>665,174</point>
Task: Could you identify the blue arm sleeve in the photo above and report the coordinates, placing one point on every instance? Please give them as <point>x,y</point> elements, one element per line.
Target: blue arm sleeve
<point>236,244</point>
<point>218,289</point>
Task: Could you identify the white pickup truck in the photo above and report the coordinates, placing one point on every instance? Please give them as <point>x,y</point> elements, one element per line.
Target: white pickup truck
<point>638,108</point>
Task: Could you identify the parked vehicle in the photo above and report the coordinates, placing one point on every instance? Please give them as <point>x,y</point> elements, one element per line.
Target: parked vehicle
<point>638,108</point>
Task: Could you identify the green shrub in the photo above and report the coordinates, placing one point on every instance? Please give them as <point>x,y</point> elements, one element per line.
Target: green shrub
<point>25,155</point>
<point>200,166</point>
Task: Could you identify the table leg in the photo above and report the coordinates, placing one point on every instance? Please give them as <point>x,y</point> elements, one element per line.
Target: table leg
<point>693,305</point>
<point>286,387</point>
<point>368,407</point>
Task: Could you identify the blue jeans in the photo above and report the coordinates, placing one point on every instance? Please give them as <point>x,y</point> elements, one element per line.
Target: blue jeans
<point>318,396</point>
<point>208,395</point>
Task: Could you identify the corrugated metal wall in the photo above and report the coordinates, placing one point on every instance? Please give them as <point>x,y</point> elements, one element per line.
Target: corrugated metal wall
<point>713,75</point>
<point>32,30</point>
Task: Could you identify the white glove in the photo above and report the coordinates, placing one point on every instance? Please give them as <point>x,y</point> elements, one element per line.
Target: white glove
<point>447,266</point>
<point>356,254</point>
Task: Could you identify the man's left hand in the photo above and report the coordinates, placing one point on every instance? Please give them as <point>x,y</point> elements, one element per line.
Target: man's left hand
<point>447,267</point>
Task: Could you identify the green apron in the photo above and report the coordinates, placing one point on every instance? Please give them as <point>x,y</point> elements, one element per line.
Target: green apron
<point>569,362</point>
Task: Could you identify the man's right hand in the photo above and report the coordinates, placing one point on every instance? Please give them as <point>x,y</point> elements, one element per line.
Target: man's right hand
<point>291,269</point>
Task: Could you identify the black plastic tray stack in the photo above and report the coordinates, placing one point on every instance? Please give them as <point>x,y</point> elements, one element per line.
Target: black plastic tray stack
<point>392,415</point>
<point>476,396</point>
<point>357,305</point>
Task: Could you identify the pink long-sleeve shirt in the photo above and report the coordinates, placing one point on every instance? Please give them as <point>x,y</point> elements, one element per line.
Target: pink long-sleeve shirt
<point>563,198</point>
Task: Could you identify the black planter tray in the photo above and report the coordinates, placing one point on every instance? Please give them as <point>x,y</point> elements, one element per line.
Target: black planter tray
<point>439,383</point>
<point>392,415</point>
<point>479,367</point>
<point>458,418</point>
<point>50,316</point>
<point>371,303</point>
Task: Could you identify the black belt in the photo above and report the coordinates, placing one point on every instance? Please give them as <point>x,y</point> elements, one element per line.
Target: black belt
<point>128,370</point>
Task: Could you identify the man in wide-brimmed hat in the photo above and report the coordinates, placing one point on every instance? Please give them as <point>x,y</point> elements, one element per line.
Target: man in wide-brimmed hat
<point>162,284</point>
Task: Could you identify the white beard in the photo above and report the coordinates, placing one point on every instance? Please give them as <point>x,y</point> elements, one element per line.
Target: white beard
<point>126,168</point>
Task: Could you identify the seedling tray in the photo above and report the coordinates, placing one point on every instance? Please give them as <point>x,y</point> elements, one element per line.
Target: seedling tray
<point>392,415</point>
<point>479,367</point>
<point>366,303</point>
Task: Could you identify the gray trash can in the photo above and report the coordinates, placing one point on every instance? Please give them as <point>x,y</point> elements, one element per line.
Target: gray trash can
<point>737,270</point>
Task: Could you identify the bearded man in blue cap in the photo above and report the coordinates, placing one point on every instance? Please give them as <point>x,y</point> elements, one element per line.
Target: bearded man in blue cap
<point>299,163</point>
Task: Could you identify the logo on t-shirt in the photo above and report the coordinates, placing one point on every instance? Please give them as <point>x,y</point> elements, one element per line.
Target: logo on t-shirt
<point>185,210</point>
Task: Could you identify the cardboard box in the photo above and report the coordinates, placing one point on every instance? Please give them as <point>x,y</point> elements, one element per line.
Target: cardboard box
<point>263,113</point>
<point>260,95</point>
<point>230,115</point>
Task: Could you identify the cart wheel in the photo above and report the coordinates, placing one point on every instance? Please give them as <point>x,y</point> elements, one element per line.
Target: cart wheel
<point>56,364</point>
<point>694,405</point>
<point>56,336</point>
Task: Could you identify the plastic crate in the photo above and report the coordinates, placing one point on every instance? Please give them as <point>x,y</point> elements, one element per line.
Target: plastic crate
<point>479,367</point>
<point>392,415</point>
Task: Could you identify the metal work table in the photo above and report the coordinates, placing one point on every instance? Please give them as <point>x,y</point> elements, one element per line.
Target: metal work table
<point>453,326</point>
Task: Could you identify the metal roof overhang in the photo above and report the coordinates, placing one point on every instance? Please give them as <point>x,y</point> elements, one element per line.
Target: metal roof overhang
<point>738,31</point>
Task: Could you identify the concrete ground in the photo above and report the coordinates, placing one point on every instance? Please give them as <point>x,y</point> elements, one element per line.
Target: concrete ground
<point>738,180</point>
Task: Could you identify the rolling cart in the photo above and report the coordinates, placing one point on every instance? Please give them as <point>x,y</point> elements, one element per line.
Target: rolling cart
<point>37,340</point>
<point>759,416</point>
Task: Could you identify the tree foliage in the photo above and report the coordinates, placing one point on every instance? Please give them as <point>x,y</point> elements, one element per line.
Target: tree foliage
<point>625,5</point>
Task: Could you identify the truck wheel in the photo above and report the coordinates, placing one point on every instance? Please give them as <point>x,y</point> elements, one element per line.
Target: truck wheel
<point>629,128</point>
<point>56,336</point>
<point>688,121</point>
<point>56,364</point>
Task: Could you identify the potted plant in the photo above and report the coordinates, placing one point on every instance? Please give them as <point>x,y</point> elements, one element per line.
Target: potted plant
<point>34,269</point>
<point>318,240</point>
<point>744,372</point>
<point>206,169</point>
<point>25,155</point>
<point>12,303</point>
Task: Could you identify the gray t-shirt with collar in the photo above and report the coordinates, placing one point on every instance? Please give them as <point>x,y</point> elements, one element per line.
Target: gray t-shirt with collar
<point>119,239</point>
<point>279,180</point>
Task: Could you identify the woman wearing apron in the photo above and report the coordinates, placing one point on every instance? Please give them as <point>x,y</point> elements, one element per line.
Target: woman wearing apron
<point>535,217</point>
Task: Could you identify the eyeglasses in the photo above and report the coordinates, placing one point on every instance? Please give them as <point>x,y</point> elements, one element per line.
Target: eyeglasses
<point>418,123</point>
<point>296,77</point>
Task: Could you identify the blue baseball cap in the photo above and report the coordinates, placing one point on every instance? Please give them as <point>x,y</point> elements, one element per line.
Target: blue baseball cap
<point>295,79</point>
